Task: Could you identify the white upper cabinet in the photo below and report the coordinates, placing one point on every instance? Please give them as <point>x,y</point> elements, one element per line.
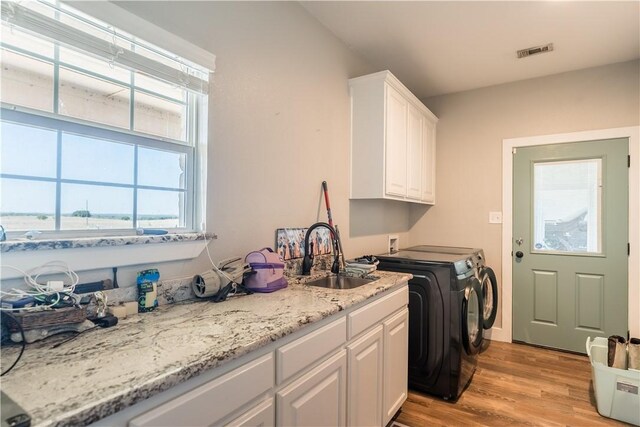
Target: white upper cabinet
<point>429,162</point>
<point>396,147</point>
<point>392,141</point>
<point>415,129</point>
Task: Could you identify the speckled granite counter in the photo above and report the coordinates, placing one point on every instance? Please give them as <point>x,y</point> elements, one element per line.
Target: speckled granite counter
<point>106,370</point>
<point>96,242</point>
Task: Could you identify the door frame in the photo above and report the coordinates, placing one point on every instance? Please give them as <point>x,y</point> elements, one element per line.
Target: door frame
<point>505,333</point>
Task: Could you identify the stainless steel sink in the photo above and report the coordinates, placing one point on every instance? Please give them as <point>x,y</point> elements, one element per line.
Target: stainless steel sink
<point>339,282</point>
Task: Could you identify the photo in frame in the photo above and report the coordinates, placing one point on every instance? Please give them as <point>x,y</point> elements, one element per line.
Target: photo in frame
<point>290,242</point>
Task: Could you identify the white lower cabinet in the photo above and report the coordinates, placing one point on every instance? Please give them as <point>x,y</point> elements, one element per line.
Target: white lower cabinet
<point>261,415</point>
<point>396,355</point>
<point>364,395</point>
<point>209,403</point>
<point>318,397</point>
<point>349,371</point>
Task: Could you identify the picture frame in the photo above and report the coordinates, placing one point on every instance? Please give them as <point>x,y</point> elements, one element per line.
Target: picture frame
<point>290,242</point>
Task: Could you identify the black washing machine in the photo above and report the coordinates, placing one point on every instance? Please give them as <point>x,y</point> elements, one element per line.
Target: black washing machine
<point>445,319</point>
<point>483,272</point>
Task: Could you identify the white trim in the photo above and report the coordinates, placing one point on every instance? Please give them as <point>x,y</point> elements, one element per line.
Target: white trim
<point>133,24</point>
<point>633,133</point>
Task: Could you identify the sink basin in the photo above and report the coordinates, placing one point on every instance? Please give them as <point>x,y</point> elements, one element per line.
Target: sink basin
<point>339,282</point>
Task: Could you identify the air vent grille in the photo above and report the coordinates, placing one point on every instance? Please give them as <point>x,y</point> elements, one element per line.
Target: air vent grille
<point>535,50</point>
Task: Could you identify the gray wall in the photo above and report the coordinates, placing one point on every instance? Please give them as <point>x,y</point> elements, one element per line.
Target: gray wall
<point>471,129</point>
<point>279,125</point>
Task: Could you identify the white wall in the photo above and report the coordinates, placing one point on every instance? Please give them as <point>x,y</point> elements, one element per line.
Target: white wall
<point>471,129</point>
<point>279,126</point>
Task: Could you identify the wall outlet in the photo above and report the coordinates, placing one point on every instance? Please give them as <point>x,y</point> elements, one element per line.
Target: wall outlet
<point>394,243</point>
<point>495,217</point>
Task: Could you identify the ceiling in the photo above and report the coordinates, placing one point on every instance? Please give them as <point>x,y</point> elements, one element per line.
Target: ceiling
<point>438,47</point>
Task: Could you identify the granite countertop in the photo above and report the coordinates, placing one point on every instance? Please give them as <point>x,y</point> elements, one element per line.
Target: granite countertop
<point>22,244</point>
<point>103,371</point>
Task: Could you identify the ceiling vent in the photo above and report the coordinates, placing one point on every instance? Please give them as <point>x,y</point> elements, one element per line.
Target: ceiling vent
<point>535,50</point>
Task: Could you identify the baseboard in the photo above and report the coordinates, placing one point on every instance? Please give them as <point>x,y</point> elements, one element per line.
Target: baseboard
<point>498,334</point>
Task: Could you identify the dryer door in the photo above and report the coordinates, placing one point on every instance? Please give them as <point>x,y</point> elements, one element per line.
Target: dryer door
<point>472,316</point>
<point>489,285</point>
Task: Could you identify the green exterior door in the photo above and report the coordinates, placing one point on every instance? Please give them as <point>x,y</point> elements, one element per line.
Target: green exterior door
<point>570,234</point>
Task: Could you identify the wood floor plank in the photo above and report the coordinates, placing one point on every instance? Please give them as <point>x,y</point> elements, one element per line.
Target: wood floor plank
<point>515,384</point>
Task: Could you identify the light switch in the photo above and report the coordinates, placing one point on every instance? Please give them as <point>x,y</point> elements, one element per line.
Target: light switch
<point>495,217</point>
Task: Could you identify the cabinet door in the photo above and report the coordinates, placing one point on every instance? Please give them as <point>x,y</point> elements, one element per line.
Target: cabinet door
<point>298,355</point>
<point>429,162</point>
<point>318,398</point>
<point>415,143</point>
<point>261,415</point>
<point>364,395</point>
<point>395,363</point>
<point>209,403</point>
<point>396,143</point>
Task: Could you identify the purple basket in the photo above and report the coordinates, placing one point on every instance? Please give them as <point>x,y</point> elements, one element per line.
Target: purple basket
<point>268,270</point>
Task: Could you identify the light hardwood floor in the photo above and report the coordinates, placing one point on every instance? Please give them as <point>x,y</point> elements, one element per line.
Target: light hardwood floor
<point>515,385</point>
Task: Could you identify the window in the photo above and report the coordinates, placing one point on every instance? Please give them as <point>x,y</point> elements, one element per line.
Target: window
<point>101,132</point>
<point>567,207</point>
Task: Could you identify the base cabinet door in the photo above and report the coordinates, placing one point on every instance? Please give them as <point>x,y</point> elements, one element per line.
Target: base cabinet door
<point>215,400</point>
<point>364,388</point>
<point>318,398</point>
<point>396,356</point>
<point>261,415</point>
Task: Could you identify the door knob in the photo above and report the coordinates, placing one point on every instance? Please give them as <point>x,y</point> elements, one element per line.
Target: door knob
<point>519,254</point>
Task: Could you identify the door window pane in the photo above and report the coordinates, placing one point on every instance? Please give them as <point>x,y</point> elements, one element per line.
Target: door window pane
<point>26,81</point>
<point>93,99</point>
<point>27,205</point>
<point>567,206</point>
<point>27,150</point>
<point>161,168</point>
<point>92,159</point>
<point>160,209</point>
<point>94,207</point>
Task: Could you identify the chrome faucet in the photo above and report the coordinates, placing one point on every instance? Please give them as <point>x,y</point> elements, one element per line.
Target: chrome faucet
<point>307,262</point>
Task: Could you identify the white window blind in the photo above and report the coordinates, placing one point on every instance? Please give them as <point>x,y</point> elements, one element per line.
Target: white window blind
<point>69,27</point>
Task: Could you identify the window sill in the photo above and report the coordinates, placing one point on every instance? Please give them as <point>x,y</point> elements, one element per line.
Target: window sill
<point>92,253</point>
<point>20,245</point>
